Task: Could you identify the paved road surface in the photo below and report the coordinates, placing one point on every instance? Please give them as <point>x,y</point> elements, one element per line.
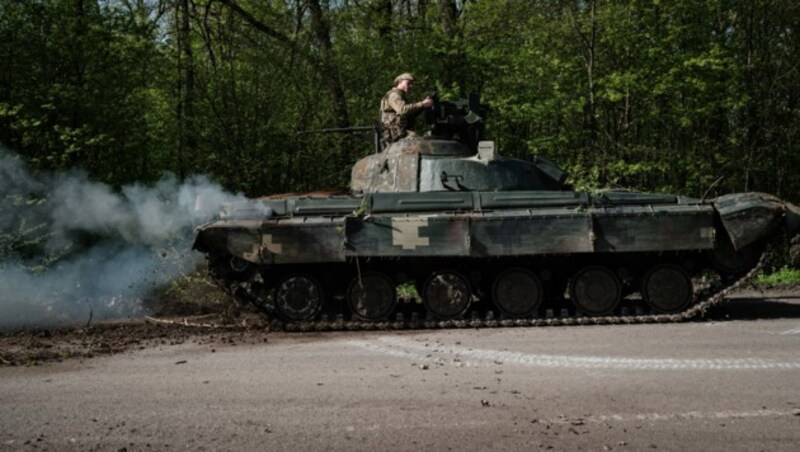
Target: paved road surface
<point>721,385</point>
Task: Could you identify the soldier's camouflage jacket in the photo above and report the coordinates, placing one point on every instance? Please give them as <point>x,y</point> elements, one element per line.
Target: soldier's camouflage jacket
<point>397,115</point>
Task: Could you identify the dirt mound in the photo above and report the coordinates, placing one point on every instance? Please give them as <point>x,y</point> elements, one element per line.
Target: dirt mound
<point>35,346</point>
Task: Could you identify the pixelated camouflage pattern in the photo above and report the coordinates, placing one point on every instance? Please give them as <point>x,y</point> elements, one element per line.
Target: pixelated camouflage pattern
<point>370,226</point>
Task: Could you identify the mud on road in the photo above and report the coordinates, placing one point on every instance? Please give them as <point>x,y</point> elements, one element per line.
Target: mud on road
<point>42,345</point>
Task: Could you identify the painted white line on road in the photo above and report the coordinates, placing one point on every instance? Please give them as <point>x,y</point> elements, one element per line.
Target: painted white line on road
<point>578,420</point>
<point>792,331</point>
<point>462,356</point>
<point>689,415</point>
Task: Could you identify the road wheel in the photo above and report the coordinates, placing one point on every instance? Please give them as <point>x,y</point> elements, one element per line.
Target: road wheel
<point>667,288</point>
<point>447,294</point>
<point>299,297</point>
<point>517,292</point>
<point>595,291</point>
<point>372,296</point>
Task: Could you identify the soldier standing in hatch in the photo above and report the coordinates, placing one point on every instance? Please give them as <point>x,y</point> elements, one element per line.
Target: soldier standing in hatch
<point>397,114</point>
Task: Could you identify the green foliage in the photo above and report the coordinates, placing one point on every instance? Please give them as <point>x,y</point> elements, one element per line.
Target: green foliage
<point>407,290</point>
<point>784,275</point>
<point>190,293</point>
<point>76,88</point>
<point>24,240</point>
<point>657,96</point>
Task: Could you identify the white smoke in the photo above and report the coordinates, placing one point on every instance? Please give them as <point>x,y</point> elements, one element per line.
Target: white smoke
<point>71,248</point>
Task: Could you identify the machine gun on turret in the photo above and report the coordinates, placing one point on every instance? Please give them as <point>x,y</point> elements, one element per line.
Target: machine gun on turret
<point>462,119</point>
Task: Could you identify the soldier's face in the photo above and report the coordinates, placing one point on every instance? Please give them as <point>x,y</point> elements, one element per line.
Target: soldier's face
<point>406,85</point>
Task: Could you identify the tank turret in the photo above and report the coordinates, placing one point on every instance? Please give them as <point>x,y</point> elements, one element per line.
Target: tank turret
<point>452,157</point>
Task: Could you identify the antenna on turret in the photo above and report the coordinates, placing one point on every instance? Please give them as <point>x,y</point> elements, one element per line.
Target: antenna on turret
<point>711,187</point>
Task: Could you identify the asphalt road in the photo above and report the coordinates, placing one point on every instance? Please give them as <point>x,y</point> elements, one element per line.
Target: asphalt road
<point>715,385</point>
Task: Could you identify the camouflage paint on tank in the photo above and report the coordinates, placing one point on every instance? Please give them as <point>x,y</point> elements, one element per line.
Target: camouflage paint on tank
<point>525,232</point>
<point>276,241</point>
<point>469,224</point>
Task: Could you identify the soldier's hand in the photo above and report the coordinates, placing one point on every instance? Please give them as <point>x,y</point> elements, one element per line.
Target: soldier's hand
<point>428,102</point>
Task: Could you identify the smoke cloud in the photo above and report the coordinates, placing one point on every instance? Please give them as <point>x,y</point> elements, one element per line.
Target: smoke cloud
<point>71,248</point>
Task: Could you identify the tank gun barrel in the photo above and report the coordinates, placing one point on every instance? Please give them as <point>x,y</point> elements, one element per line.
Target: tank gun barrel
<point>375,128</point>
<point>353,129</point>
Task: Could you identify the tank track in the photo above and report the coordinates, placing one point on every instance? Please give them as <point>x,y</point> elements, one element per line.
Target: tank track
<point>711,294</point>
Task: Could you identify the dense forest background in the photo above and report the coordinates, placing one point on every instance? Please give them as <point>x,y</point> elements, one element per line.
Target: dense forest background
<point>647,94</point>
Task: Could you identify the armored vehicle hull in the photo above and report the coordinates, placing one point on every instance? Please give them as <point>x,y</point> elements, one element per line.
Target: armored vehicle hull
<point>522,254</point>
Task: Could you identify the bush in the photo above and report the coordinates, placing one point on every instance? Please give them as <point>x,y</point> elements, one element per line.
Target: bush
<point>784,275</point>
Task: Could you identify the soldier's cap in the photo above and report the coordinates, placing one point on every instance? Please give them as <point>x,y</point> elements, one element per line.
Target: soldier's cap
<point>404,76</point>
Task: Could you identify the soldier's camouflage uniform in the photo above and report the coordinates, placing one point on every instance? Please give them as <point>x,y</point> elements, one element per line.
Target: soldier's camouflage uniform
<point>397,116</point>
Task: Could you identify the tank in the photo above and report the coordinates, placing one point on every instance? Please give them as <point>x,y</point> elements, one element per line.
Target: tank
<point>468,234</point>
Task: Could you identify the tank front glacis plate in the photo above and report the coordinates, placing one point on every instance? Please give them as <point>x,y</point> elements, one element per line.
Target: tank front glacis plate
<point>749,217</point>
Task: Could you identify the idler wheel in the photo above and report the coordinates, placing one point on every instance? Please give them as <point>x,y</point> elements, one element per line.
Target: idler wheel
<point>517,292</point>
<point>729,261</point>
<point>447,294</point>
<point>372,296</point>
<point>226,269</point>
<point>239,265</point>
<point>595,291</point>
<point>667,288</point>
<point>299,297</point>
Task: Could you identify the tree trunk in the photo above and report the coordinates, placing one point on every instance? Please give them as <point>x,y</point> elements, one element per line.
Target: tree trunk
<point>383,11</point>
<point>590,109</point>
<point>187,136</point>
<point>330,70</point>
<point>448,17</point>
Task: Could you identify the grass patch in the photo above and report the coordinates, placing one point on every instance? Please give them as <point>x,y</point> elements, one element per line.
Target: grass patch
<point>783,275</point>
<point>190,294</point>
<point>407,290</point>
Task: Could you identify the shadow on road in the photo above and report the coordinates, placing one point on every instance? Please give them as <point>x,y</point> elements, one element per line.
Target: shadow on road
<point>753,308</point>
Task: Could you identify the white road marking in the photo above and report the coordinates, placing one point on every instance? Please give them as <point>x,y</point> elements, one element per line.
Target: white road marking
<point>728,414</point>
<point>792,331</point>
<point>462,356</point>
<point>582,420</point>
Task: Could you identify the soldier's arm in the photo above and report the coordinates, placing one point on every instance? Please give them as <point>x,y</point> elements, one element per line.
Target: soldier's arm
<point>402,107</point>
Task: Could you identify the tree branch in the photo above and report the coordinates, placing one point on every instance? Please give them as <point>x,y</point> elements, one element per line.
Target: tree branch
<point>257,24</point>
